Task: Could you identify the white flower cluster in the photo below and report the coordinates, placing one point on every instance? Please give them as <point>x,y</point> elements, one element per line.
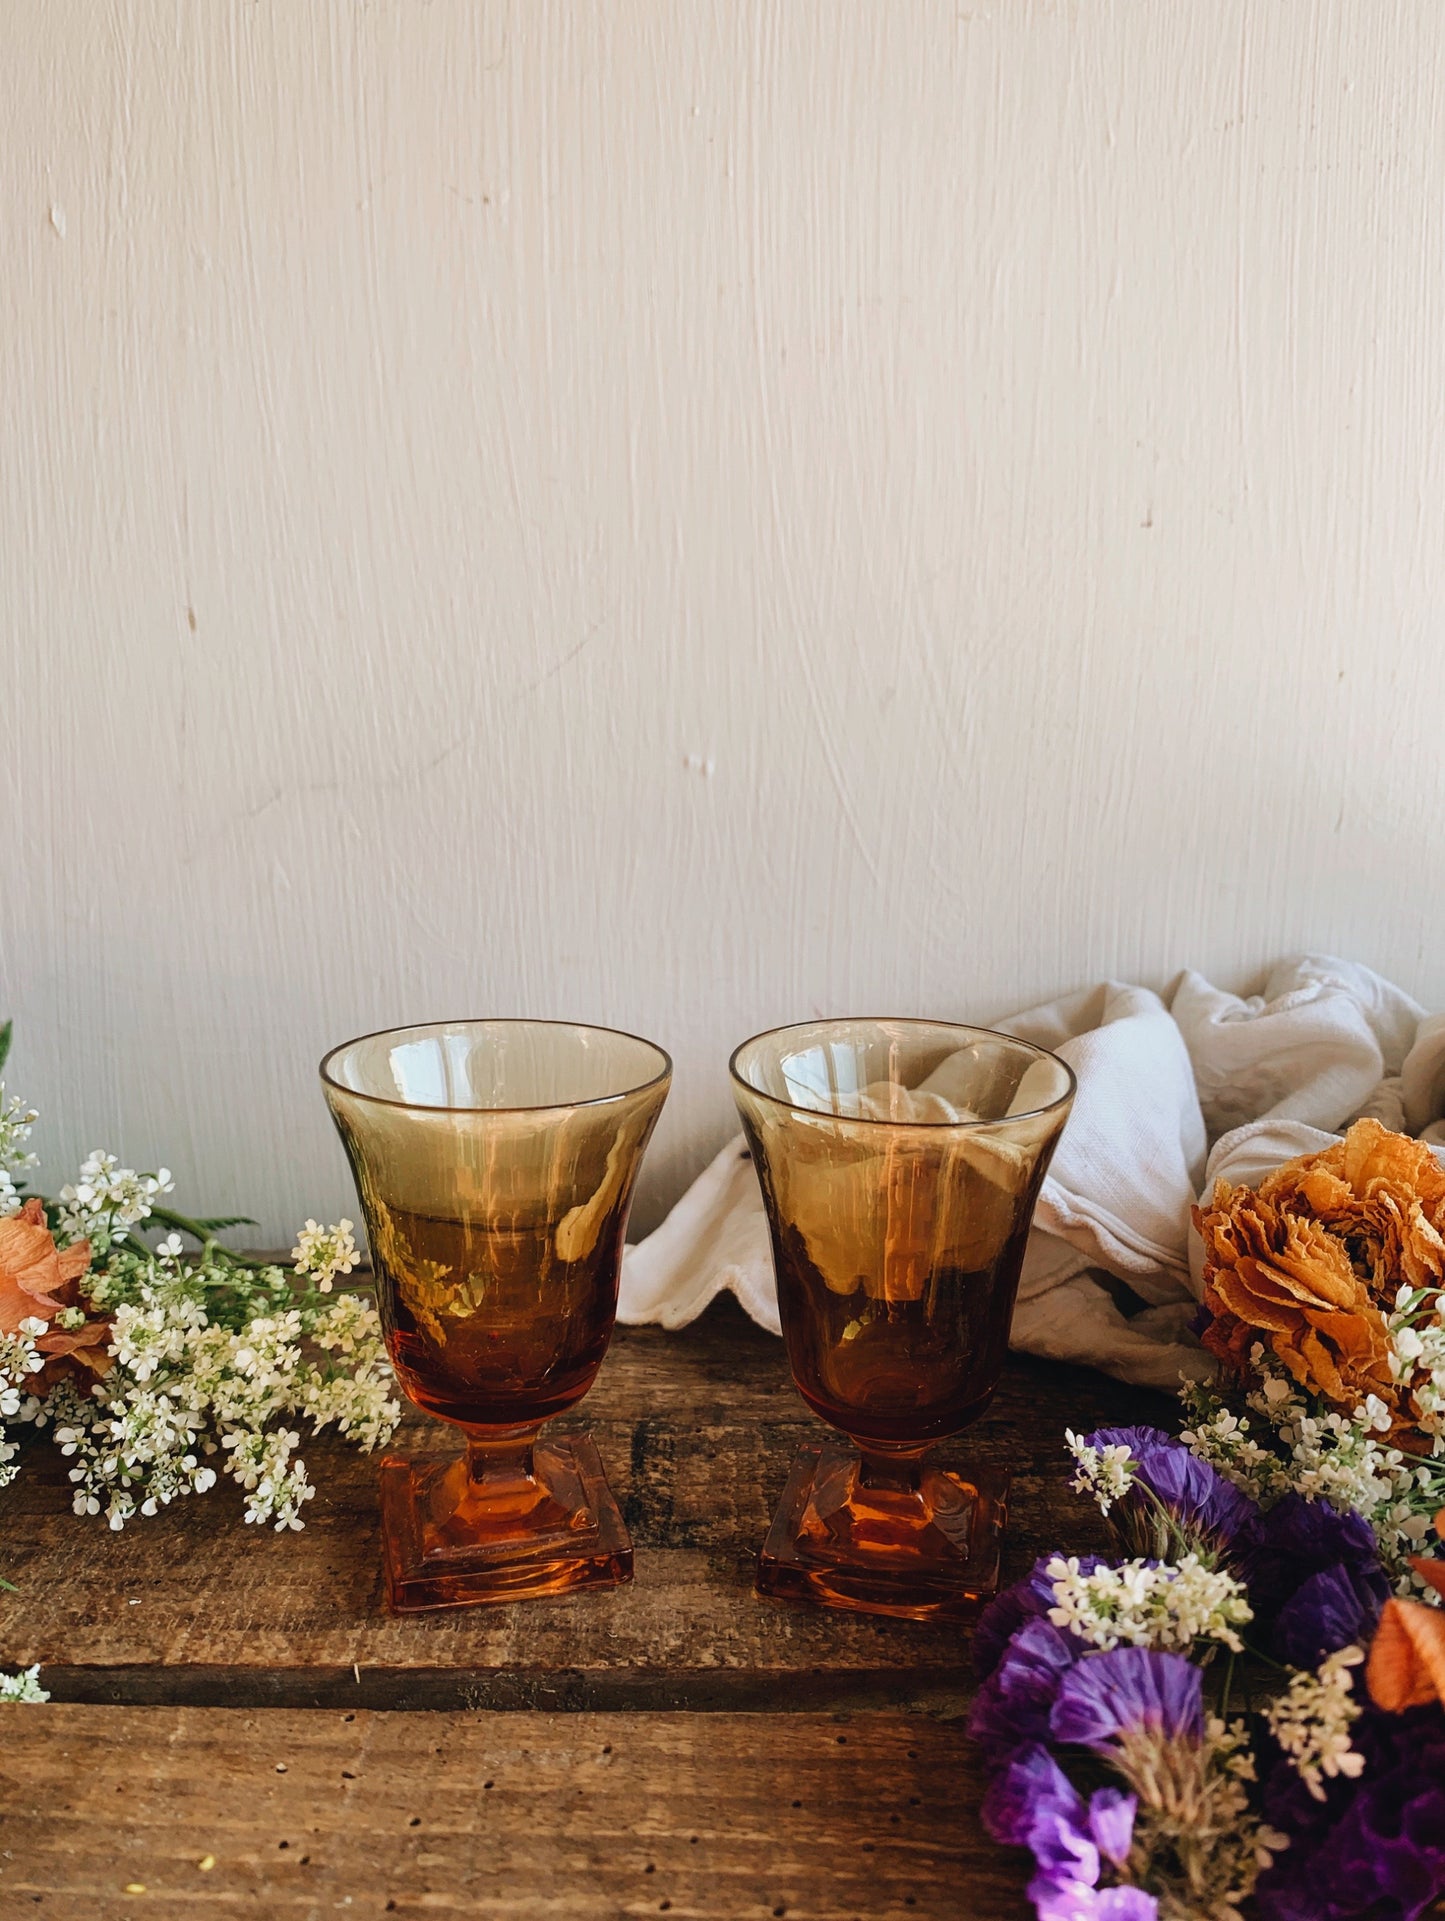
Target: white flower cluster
<point>24,1686</point>
<point>1325,1457</point>
<point>16,1121</point>
<point>1149,1605</point>
<point>1311,1721</point>
<point>1417,1355</point>
<point>324,1253</point>
<point>1226,1440</point>
<point>19,1360</point>
<point>187,1391</point>
<point>1105,1472</point>
<point>108,1200</point>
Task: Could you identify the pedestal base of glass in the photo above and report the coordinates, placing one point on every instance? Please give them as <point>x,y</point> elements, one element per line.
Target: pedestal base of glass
<point>500,1524</point>
<point>885,1534</point>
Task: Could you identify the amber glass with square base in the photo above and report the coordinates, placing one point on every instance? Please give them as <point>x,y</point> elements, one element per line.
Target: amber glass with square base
<point>503,1522</point>
<point>495,1162</point>
<point>899,1163</point>
<point>885,1535</point>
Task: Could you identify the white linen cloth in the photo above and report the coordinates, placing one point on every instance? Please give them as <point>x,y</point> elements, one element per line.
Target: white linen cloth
<point>1173,1092</point>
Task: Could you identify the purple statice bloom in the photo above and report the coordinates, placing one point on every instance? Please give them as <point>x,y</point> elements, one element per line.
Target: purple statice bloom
<point>1026,1600</point>
<point>1013,1705</point>
<point>1111,1822</point>
<point>1126,1689</point>
<point>1374,1846</point>
<point>1314,1579</point>
<point>1032,1804</point>
<point>1210,1510</point>
<point>1057,1898</point>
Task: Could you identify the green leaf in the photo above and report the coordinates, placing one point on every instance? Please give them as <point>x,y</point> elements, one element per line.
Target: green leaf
<point>200,1228</point>
<point>5,1033</point>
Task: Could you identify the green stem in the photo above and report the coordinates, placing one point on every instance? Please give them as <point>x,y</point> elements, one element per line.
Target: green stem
<point>198,1230</point>
<point>1228,1684</point>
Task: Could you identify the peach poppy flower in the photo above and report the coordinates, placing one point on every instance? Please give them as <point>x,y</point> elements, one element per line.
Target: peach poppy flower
<point>37,1278</point>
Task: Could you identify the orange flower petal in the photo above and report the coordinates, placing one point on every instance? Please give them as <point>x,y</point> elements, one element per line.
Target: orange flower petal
<point>1431,1571</point>
<point>1406,1668</point>
<point>29,1268</point>
<point>80,1347</point>
<point>74,1260</point>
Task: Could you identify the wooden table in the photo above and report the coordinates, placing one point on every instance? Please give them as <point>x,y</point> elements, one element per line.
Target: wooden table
<point>237,1729</point>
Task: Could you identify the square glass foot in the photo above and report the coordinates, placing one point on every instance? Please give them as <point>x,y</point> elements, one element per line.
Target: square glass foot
<point>449,1541</point>
<point>922,1548</point>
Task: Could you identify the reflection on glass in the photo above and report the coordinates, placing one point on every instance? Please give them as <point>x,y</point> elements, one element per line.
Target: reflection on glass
<point>495,1162</point>
<point>899,1163</point>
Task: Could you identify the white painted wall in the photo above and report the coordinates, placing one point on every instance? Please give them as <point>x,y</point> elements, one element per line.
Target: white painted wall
<point>686,516</point>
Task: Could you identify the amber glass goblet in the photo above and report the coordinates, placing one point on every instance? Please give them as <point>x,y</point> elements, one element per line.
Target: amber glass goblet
<point>899,1162</point>
<point>495,1162</point>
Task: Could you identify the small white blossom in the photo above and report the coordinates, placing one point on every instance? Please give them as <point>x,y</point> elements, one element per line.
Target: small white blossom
<point>108,1200</point>
<point>24,1686</point>
<point>1107,1472</point>
<point>1137,1604</point>
<point>324,1253</point>
<point>1324,1455</point>
<point>16,1121</point>
<point>1311,1721</point>
<point>209,1357</point>
<point>19,1360</point>
<point>184,1387</point>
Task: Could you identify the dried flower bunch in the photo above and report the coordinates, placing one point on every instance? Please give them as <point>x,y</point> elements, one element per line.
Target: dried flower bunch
<point>1298,1522</point>
<point>159,1370</point>
<point>1323,1300</point>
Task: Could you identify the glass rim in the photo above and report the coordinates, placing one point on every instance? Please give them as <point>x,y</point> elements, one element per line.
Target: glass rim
<point>328,1079</point>
<point>1071,1084</point>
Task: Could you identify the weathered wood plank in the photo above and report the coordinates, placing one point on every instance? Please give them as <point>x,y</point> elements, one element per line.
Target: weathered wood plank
<point>729,1817</point>
<point>697,1430</point>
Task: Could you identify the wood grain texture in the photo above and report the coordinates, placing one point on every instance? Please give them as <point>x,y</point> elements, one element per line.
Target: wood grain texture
<point>685,516</point>
<point>582,1817</point>
<point>697,1430</point>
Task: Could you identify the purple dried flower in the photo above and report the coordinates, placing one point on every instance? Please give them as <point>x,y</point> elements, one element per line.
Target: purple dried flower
<point>1111,1822</point>
<point>1033,1804</point>
<point>1314,1578</point>
<point>1327,1612</point>
<point>1209,1510</point>
<point>1027,1600</point>
<point>1012,1706</point>
<point>1030,1788</point>
<point>1374,1846</point>
<point>1056,1898</point>
<point>1126,1688</point>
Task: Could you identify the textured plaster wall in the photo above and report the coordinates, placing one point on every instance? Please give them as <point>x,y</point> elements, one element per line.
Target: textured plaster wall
<point>688,515</point>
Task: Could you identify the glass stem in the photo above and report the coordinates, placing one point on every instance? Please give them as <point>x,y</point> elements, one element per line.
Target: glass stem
<point>891,1470</point>
<point>497,1467</point>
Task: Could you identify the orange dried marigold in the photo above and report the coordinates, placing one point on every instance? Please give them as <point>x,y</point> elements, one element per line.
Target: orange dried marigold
<point>1383,1195</point>
<point>1282,1279</point>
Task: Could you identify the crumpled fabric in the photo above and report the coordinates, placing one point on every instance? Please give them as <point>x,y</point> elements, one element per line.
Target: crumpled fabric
<point>1174,1092</point>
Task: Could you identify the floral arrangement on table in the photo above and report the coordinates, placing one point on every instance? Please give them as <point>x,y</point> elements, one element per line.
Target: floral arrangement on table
<point>1247,1714</point>
<point>160,1370</point>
